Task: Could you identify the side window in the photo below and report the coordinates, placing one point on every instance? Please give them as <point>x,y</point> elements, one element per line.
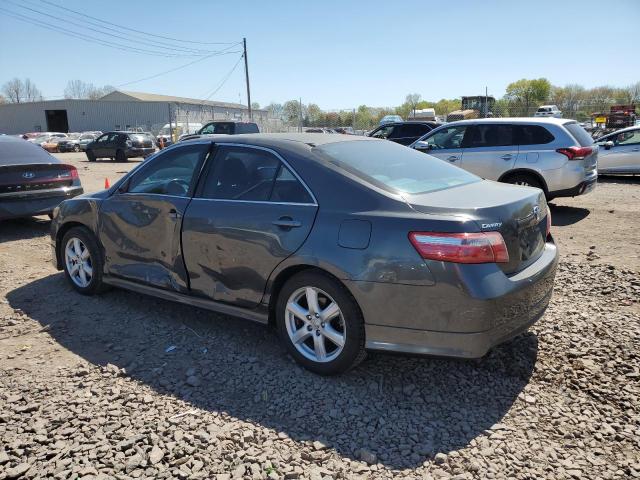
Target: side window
<point>383,132</point>
<point>533,135</point>
<point>208,129</point>
<point>241,173</point>
<point>288,189</point>
<point>103,138</point>
<point>447,138</point>
<point>413,130</point>
<point>628,138</point>
<point>171,172</point>
<point>487,135</point>
<point>224,128</point>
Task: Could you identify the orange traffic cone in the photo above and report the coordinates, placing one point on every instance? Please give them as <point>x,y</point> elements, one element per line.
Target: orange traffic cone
<point>106,183</point>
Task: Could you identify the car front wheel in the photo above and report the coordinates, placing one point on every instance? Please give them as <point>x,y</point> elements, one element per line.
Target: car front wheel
<point>320,323</point>
<point>82,261</point>
<point>91,156</point>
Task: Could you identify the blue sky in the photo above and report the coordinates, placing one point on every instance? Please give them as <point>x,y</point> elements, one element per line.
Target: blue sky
<point>338,54</point>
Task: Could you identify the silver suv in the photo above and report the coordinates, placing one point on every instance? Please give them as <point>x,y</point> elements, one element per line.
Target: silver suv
<point>555,155</point>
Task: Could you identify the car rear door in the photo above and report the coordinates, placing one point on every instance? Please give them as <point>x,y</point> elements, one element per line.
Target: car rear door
<point>408,133</point>
<point>250,212</point>
<point>490,150</point>
<point>139,225</point>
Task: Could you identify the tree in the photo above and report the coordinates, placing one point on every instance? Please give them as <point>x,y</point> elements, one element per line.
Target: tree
<point>82,90</point>
<point>527,93</point>
<point>275,110</point>
<point>291,112</point>
<point>255,106</point>
<point>18,91</point>
<point>411,101</point>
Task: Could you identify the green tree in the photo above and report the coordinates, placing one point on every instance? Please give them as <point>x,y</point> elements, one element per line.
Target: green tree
<point>525,94</point>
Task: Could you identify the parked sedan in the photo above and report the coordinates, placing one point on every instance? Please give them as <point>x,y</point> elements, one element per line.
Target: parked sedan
<point>32,182</point>
<point>120,146</point>
<point>75,142</point>
<point>620,152</point>
<point>51,144</point>
<point>346,243</point>
<point>556,156</point>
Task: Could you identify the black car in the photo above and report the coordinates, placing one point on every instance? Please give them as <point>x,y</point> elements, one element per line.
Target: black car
<point>404,133</point>
<point>345,242</point>
<point>224,128</point>
<point>121,146</point>
<point>32,181</point>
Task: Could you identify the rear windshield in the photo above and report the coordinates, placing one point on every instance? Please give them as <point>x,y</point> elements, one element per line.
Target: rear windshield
<point>394,167</point>
<point>579,133</point>
<point>14,152</point>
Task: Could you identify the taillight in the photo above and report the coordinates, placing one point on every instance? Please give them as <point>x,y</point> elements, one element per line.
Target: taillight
<point>482,247</point>
<point>70,171</point>
<point>576,153</point>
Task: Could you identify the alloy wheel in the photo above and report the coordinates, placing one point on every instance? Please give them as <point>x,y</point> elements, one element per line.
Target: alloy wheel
<point>78,260</point>
<point>315,324</point>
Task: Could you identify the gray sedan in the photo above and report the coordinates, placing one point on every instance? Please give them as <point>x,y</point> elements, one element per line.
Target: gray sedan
<point>620,152</point>
<point>343,243</point>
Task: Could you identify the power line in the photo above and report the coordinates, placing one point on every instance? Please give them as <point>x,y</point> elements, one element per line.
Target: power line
<point>186,51</point>
<point>106,43</point>
<point>133,29</point>
<point>225,79</point>
<point>174,69</point>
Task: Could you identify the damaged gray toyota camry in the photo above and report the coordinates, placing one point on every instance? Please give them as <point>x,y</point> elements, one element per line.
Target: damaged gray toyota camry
<point>344,243</point>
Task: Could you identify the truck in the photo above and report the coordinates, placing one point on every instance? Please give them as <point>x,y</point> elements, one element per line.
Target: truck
<point>621,116</point>
<point>473,107</point>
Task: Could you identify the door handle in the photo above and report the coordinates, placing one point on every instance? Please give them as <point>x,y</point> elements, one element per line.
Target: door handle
<point>636,149</point>
<point>173,213</point>
<point>508,156</point>
<point>287,223</point>
<point>453,158</point>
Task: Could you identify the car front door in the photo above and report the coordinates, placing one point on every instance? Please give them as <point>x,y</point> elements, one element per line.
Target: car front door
<point>623,156</point>
<point>491,150</point>
<point>445,143</point>
<point>408,133</point>
<point>99,147</point>
<point>139,225</point>
<point>250,212</point>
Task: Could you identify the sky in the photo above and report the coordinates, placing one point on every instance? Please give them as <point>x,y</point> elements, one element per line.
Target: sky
<point>337,54</point>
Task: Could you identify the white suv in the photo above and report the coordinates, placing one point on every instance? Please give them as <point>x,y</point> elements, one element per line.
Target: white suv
<point>557,156</point>
<point>548,111</point>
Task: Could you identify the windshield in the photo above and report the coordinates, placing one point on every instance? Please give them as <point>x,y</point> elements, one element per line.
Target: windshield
<point>87,137</point>
<point>394,167</point>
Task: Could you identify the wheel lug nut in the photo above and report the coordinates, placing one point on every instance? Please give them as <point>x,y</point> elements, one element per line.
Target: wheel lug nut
<point>322,324</point>
<point>309,327</point>
<point>308,317</point>
<point>318,333</point>
<point>317,315</point>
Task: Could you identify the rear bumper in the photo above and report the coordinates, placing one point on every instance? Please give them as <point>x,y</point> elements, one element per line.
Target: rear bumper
<point>582,188</point>
<point>464,317</point>
<point>37,202</point>
<point>140,151</point>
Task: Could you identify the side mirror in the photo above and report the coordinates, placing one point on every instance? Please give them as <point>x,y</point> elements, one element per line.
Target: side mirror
<point>422,146</point>
<point>608,145</point>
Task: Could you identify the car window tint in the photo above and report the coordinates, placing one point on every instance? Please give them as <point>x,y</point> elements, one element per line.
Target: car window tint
<point>171,172</point>
<point>383,132</point>
<point>579,133</point>
<point>533,135</point>
<point>287,188</point>
<point>240,173</point>
<point>447,138</point>
<point>413,130</point>
<point>487,135</point>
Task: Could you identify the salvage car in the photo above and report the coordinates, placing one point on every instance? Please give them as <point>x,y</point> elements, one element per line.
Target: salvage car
<point>121,146</point>
<point>32,182</point>
<point>554,155</point>
<point>620,152</point>
<point>345,243</point>
<point>404,133</point>
<point>76,141</point>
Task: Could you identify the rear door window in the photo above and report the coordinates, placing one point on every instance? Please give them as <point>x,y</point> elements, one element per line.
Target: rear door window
<point>579,133</point>
<point>491,135</point>
<point>449,138</point>
<point>533,135</point>
<point>384,132</point>
<point>413,130</point>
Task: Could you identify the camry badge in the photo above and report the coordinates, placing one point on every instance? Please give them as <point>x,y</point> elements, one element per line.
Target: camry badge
<point>536,212</point>
<point>28,175</point>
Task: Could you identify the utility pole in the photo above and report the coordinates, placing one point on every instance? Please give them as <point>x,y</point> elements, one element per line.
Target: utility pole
<point>300,117</point>
<point>246,74</point>
<point>486,101</point>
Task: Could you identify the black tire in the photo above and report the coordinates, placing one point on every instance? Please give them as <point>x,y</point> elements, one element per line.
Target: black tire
<point>350,323</point>
<point>121,157</point>
<point>91,156</point>
<point>95,284</point>
<point>524,179</point>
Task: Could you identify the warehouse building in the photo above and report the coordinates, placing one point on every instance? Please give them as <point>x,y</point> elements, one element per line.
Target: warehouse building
<point>118,110</point>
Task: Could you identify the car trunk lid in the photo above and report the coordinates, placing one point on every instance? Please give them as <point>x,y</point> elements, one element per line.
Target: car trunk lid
<point>518,213</point>
<point>30,177</point>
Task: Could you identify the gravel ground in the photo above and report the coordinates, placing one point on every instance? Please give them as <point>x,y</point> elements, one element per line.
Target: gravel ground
<point>124,386</point>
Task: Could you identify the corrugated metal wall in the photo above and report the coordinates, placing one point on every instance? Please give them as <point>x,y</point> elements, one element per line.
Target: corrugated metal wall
<point>108,115</point>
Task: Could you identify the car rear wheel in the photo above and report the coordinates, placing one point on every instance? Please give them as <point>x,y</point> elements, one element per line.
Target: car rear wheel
<point>320,323</point>
<point>91,156</point>
<point>120,156</point>
<point>82,261</point>
<point>525,180</point>
<point>76,148</point>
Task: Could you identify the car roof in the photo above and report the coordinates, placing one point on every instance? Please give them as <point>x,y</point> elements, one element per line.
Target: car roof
<point>517,120</point>
<point>268,139</point>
